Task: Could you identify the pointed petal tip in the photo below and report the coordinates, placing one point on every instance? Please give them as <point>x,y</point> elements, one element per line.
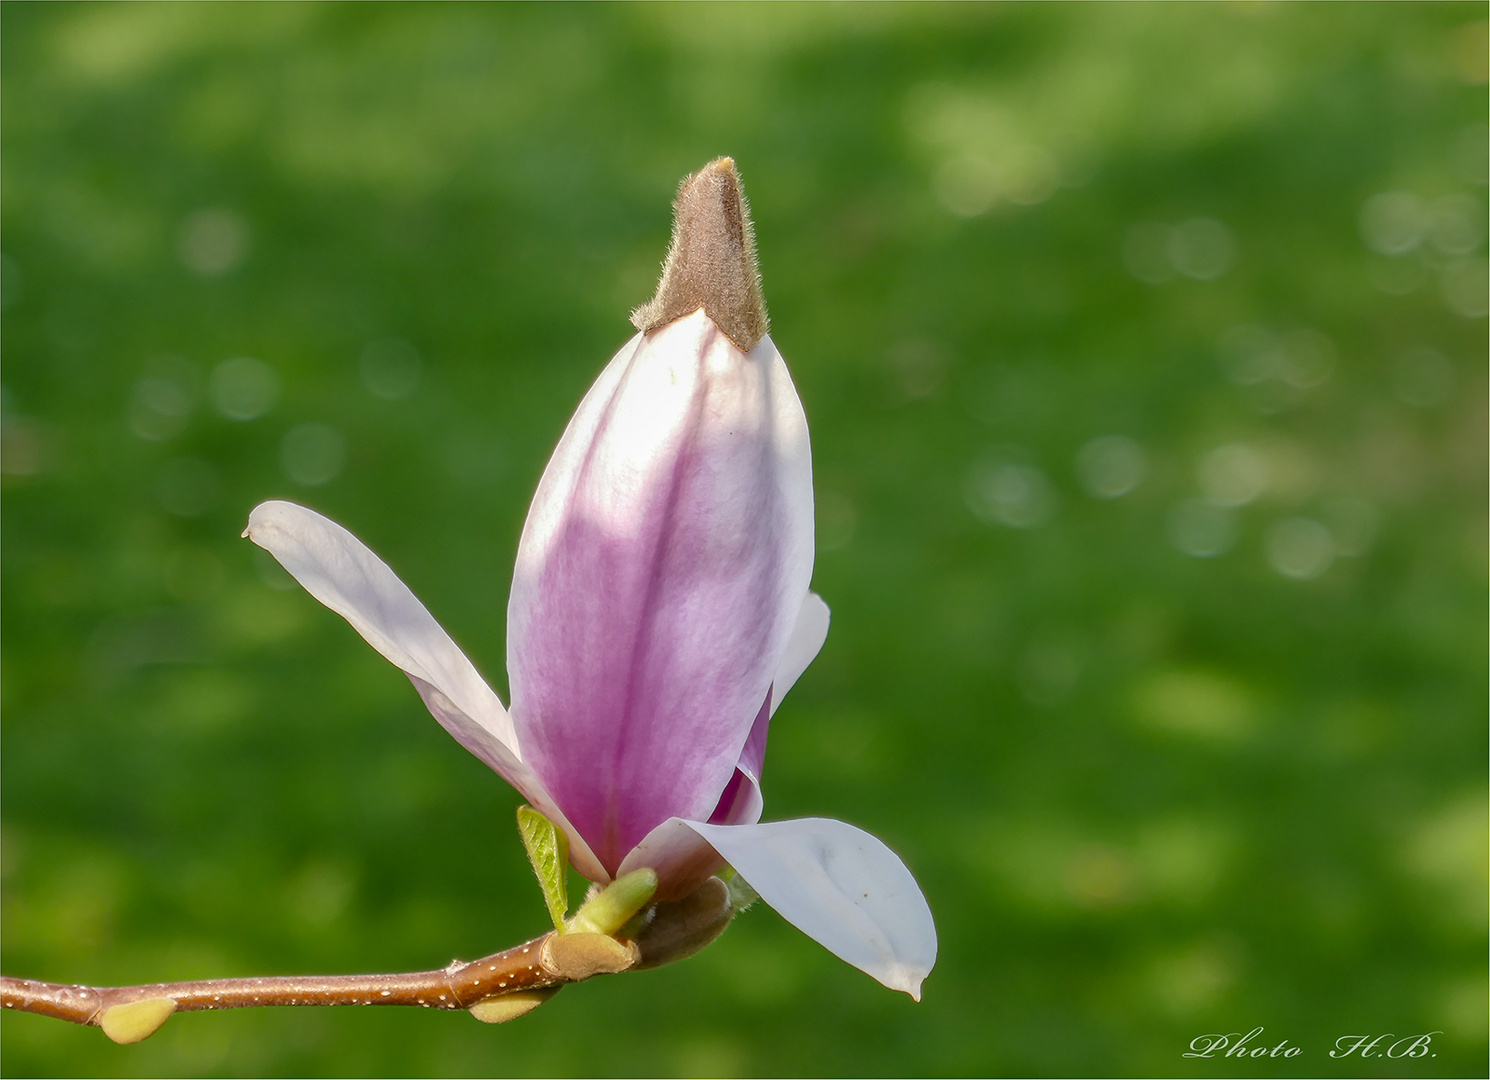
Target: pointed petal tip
<point>905,979</point>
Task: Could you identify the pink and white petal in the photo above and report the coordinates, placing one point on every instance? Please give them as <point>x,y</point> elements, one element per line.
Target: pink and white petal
<point>658,580</point>
<point>802,647</point>
<point>344,574</point>
<point>840,886</point>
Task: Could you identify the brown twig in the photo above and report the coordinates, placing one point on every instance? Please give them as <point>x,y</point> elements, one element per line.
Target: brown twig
<point>458,986</point>
<point>496,988</point>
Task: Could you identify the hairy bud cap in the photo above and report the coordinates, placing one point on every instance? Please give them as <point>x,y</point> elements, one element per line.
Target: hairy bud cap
<point>711,263</point>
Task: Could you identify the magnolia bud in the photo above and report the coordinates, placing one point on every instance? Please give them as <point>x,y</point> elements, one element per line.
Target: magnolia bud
<point>680,928</point>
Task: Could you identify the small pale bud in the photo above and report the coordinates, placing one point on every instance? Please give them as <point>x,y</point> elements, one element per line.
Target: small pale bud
<point>504,1007</point>
<point>711,263</point>
<point>134,1021</point>
<point>612,908</point>
<point>579,956</point>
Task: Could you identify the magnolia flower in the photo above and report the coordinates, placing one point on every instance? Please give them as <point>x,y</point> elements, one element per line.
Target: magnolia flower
<point>659,613</point>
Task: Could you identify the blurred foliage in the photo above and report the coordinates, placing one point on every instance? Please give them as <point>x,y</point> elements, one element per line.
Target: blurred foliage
<point>1144,349</point>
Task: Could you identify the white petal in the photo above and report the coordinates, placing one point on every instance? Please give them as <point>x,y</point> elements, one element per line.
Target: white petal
<point>802,647</point>
<point>342,573</point>
<point>840,886</point>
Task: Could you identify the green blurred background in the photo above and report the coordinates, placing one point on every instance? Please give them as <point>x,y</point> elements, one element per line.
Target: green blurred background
<point>1144,350</point>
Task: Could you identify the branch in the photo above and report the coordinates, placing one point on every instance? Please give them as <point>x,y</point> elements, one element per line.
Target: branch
<point>508,983</point>
<point>494,989</point>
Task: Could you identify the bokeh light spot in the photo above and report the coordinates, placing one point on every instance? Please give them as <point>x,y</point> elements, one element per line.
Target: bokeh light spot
<point>1393,222</point>
<point>1192,980</point>
<point>1308,359</point>
<point>1194,702</point>
<point>1233,475</point>
<point>1466,48</point>
<point>321,892</point>
<point>1201,529</point>
<point>243,388</point>
<point>1250,354</point>
<point>1098,875</point>
<point>1030,176</point>
<point>1183,857</point>
<point>24,446</point>
<point>390,368</point>
<point>1111,466</point>
<point>1300,548</point>
<point>1448,850</point>
<point>212,242</point>
<point>313,454</point>
<point>966,185</point>
<point>1005,493</point>
<point>1201,248</point>
<point>163,398</point>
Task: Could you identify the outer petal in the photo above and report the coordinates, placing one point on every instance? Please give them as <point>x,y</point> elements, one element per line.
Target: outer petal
<point>660,572</point>
<point>833,882</point>
<point>840,886</point>
<point>741,803</point>
<point>808,635</point>
<point>342,573</point>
